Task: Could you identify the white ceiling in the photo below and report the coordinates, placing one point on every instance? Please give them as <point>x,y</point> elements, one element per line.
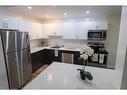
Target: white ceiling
<point>57,12</point>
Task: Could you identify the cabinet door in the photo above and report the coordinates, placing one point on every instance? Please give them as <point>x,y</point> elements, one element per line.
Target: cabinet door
<point>36,30</point>
<point>52,29</point>
<point>1,21</point>
<point>12,22</point>
<point>37,60</point>
<point>9,22</point>
<point>68,30</point>
<point>24,25</point>
<point>97,25</point>
<point>49,56</point>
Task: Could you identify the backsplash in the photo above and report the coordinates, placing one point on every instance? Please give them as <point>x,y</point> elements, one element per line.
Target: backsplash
<point>71,43</point>
<point>74,43</point>
<point>55,40</point>
<point>52,41</point>
<point>35,43</point>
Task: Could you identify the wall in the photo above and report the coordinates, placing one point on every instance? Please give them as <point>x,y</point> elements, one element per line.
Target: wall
<point>112,39</point>
<point>121,50</point>
<point>124,77</point>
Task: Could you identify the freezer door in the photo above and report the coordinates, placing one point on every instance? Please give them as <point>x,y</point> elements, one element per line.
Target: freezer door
<point>13,68</point>
<point>9,39</point>
<point>26,65</point>
<point>15,41</point>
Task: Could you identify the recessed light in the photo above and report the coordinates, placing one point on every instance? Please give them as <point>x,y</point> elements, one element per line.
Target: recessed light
<point>65,14</point>
<point>47,16</point>
<point>29,7</point>
<point>87,12</point>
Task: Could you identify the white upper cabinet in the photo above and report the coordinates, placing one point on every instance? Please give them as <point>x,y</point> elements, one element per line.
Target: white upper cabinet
<point>72,29</point>
<point>12,22</point>
<point>1,21</point>
<point>24,25</point>
<point>51,29</point>
<point>17,23</point>
<point>8,22</point>
<point>97,25</point>
<point>36,30</point>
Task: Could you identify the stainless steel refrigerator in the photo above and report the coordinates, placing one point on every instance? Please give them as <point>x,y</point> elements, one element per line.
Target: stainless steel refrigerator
<point>16,49</point>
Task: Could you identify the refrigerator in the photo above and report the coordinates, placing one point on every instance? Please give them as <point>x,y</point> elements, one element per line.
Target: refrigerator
<point>16,47</point>
<point>3,72</point>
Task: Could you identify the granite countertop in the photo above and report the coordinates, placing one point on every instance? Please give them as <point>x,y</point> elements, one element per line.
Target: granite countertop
<point>65,76</point>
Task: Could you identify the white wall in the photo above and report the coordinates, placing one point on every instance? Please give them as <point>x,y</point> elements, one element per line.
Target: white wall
<point>124,77</point>
<point>112,39</point>
<point>121,50</point>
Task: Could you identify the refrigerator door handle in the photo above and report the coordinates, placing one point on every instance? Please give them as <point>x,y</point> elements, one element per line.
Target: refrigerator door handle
<point>27,41</point>
<point>29,58</point>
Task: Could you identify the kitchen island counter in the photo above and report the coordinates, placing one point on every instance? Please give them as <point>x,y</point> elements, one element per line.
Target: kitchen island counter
<point>65,76</point>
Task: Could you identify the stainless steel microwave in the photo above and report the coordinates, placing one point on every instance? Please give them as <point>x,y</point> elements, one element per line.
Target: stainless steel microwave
<point>97,34</point>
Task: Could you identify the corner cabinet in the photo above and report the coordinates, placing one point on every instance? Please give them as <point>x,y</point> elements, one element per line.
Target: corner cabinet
<point>34,28</point>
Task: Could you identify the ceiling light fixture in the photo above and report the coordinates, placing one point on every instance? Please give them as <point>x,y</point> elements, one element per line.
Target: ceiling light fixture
<point>87,12</point>
<point>29,7</point>
<point>65,14</point>
<point>47,16</point>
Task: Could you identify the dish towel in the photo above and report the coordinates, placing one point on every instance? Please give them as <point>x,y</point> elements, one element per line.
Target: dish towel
<point>101,58</point>
<point>95,57</point>
<point>56,52</point>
